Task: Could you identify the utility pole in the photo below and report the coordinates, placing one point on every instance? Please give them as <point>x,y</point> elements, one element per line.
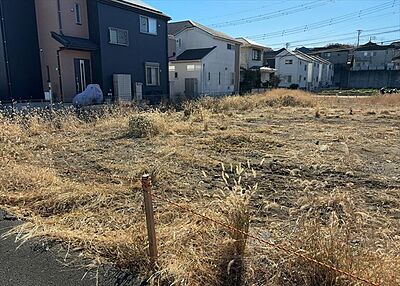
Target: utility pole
<point>358,37</point>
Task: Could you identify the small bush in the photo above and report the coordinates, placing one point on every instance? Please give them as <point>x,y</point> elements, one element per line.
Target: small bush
<point>141,126</point>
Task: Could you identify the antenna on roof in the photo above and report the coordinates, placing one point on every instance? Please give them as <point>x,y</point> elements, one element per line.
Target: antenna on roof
<point>287,45</point>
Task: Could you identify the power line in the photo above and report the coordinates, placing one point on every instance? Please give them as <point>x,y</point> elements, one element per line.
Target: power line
<point>349,38</point>
<point>325,23</point>
<point>271,15</point>
<point>331,36</point>
<point>241,11</point>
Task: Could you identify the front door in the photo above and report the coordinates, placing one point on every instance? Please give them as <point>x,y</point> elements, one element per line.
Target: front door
<point>191,87</point>
<point>82,74</point>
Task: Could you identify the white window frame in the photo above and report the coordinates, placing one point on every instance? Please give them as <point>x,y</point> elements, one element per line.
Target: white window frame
<point>256,55</point>
<point>151,23</point>
<point>289,79</point>
<point>78,14</point>
<point>116,42</point>
<point>191,68</point>
<point>155,67</point>
<point>288,62</point>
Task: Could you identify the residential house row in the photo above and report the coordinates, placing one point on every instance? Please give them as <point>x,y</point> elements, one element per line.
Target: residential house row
<point>64,45</point>
<point>368,66</point>
<point>55,48</point>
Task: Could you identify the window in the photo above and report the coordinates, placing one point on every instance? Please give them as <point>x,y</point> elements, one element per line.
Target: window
<point>119,37</point>
<point>179,43</point>
<point>289,79</point>
<point>256,55</point>
<point>288,62</point>
<point>328,55</point>
<point>300,78</point>
<point>229,46</point>
<point>305,68</point>
<point>232,78</point>
<point>176,75</point>
<point>152,74</point>
<point>148,25</point>
<point>374,54</point>
<point>209,76</point>
<point>190,67</point>
<point>172,68</point>
<point>78,18</point>
<point>219,78</point>
<point>365,54</point>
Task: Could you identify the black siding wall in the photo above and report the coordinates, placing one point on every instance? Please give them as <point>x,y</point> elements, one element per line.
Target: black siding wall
<point>128,60</point>
<point>22,50</point>
<point>4,89</point>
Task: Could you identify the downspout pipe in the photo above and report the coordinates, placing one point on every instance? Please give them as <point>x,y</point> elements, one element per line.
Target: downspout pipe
<point>59,74</point>
<point>3,30</point>
<point>60,27</point>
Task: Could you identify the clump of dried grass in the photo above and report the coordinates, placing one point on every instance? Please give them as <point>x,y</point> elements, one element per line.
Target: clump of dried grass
<point>274,98</point>
<point>331,231</point>
<point>109,227</point>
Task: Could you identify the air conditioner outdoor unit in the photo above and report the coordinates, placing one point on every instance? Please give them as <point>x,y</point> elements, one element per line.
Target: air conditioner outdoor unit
<point>123,87</point>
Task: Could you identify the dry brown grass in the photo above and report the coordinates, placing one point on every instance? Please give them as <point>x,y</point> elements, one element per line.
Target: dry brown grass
<point>327,186</point>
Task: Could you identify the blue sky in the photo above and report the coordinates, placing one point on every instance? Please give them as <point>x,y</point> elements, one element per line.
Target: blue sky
<point>308,22</point>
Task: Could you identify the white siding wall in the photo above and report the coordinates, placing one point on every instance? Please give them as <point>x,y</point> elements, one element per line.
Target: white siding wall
<point>306,74</point>
<point>177,85</point>
<point>220,60</point>
<point>295,70</point>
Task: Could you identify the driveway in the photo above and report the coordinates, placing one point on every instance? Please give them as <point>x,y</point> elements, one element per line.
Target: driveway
<point>30,266</point>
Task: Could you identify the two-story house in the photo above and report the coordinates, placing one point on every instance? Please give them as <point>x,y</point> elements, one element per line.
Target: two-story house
<point>20,74</point>
<point>253,72</point>
<point>308,72</point>
<point>372,56</point>
<point>119,44</point>
<point>340,56</point>
<point>206,61</point>
<point>122,45</point>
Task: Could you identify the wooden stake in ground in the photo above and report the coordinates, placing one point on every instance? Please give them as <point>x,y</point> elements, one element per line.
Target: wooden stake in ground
<point>148,206</point>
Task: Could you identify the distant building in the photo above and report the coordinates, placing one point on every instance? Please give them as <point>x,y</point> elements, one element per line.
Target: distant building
<point>206,61</point>
<point>253,72</point>
<point>341,58</point>
<point>372,56</point>
<point>303,71</point>
<point>375,66</point>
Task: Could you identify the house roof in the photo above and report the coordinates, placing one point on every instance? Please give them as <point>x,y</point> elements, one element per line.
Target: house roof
<point>273,54</point>
<point>249,43</point>
<point>74,43</point>
<point>306,57</point>
<point>177,27</point>
<point>370,46</point>
<point>140,5</point>
<point>194,54</point>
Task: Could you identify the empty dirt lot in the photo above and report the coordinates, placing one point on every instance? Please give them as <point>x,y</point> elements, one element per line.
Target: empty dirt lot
<point>318,175</point>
